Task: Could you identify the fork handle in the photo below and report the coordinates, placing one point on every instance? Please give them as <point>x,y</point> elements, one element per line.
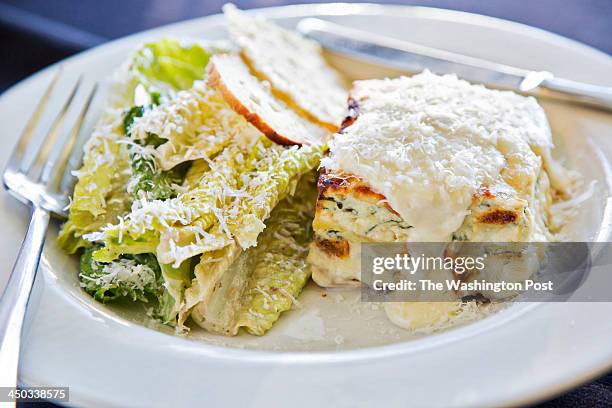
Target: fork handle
<point>16,294</point>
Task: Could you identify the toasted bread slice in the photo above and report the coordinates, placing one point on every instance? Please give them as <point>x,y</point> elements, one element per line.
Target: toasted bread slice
<point>293,65</point>
<point>252,99</point>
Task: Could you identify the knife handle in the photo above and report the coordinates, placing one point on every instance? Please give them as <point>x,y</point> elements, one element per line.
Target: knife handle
<point>577,92</point>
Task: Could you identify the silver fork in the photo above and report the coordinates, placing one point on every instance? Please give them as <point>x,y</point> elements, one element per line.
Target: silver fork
<point>37,184</point>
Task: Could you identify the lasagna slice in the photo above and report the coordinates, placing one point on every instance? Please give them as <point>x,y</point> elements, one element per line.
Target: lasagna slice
<point>432,158</point>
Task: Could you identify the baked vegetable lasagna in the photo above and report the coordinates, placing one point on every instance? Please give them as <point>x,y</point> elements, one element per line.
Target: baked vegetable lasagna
<point>432,158</point>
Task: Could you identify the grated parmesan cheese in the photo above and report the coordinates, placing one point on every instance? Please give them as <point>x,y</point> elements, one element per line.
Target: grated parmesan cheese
<point>132,275</point>
<point>197,124</point>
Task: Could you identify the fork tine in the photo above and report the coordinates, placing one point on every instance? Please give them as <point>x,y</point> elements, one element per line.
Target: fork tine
<point>35,169</point>
<point>54,170</point>
<point>26,135</point>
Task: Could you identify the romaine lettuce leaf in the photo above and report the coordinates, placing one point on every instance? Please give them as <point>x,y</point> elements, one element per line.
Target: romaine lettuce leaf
<point>133,276</point>
<point>138,277</point>
<point>88,214</point>
<point>195,124</point>
<point>175,281</point>
<point>263,281</point>
<point>169,63</point>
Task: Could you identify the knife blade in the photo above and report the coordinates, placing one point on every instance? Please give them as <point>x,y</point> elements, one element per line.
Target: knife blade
<point>413,57</point>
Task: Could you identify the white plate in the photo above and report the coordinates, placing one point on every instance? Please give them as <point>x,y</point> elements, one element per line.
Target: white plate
<point>525,353</point>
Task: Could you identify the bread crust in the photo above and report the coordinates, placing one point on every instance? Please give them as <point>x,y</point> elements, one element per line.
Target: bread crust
<point>215,80</point>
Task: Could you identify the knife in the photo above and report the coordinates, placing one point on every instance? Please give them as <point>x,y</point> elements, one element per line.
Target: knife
<point>413,57</point>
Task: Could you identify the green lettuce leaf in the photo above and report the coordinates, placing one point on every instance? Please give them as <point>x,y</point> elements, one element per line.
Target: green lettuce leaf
<point>146,176</point>
<point>175,282</point>
<point>169,63</point>
<point>136,277</point>
<point>264,281</point>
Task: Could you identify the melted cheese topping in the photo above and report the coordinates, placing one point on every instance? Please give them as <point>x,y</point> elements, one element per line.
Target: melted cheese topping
<point>429,317</point>
<point>429,142</point>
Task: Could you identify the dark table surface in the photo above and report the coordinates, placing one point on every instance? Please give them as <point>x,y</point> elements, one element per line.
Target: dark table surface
<point>36,33</point>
